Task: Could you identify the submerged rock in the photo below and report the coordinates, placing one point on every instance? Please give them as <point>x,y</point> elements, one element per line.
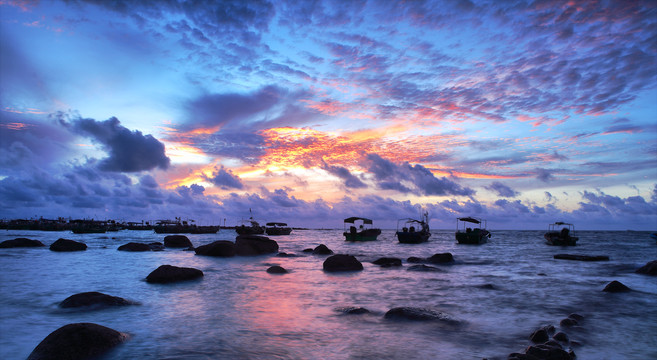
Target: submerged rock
<point>353,310</point>
<point>443,258</point>
<point>248,245</point>
<point>415,260</point>
<point>133,246</point>
<point>322,249</point>
<point>615,287</point>
<point>168,274</point>
<point>422,267</point>
<point>648,269</point>
<point>581,257</point>
<point>20,242</point>
<point>77,341</point>
<point>221,248</point>
<point>94,299</point>
<point>387,262</point>
<point>341,262</point>
<point>420,314</point>
<point>177,241</point>
<point>276,270</point>
<point>67,245</point>
<point>156,246</point>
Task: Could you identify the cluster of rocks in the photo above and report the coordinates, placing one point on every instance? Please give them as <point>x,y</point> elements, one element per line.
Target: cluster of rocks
<point>549,344</point>
<point>406,313</point>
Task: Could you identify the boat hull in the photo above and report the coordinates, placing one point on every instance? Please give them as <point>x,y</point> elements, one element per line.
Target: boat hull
<point>278,231</point>
<point>364,235</point>
<point>555,239</point>
<point>250,230</point>
<point>405,237</point>
<point>474,237</point>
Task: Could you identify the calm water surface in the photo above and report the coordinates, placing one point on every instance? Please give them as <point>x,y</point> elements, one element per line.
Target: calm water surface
<point>500,291</point>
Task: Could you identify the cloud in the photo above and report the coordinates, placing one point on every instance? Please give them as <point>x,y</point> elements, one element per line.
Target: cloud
<point>407,178</point>
<point>502,190</point>
<point>225,179</point>
<point>129,151</point>
<point>350,181</point>
<point>544,175</point>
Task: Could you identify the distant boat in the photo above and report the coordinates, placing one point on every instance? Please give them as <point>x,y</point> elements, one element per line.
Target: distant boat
<point>363,232</point>
<point>88,226</point>
<point>410,234</point>
<point>250,227</point>
<point>474,235</point>
<point>179,226</point>
<point>563,237</point>
<point>277,228</point>
<point>139,225</point>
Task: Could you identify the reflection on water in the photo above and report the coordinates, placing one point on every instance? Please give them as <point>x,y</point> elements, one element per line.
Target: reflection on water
<point>500,291</point>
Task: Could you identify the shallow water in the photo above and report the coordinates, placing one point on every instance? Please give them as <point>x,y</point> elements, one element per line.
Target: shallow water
<point>500,292</point>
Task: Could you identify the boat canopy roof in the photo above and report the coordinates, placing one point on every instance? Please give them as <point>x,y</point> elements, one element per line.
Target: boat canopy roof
<point>470,219</point>
<point>276,224</point>
<point>409,220</point>
<point>561,223</point>
<point>354,218</point>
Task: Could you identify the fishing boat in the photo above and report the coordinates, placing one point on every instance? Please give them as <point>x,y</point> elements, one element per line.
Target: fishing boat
<point>277,228</point>
<point>563,237</point>
<point>361,229</point>
<point>474,235</point>
<point>132,225</point>
<point>250,226</point>
<point>414,231</point>
<point>88,226</point>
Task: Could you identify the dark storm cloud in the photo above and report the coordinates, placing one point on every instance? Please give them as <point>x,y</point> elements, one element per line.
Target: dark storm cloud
<point>129,151</point>
<point>407,178</point>
<point>225,179</point>
<point>502,190</point>
<point>544,175</point>
<point>350,181</point>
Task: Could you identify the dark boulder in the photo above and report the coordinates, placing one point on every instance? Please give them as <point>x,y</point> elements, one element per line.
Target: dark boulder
<point>443,258</point>
<point>93,299</point>
<point>341,262</point>
<point>352,310</point>
<point>542,335</point>
<point>387,262</point>
<point>415,260</point>
<point>168,274</point>
<point>284,254</point>
<point>247,245</point>
<point>221,248</point>
<point>615,287</point>
<point>648,269</point>
<point>156,246</point>
<point>133,246</point>
<point>576,316</point>
<point>581,257</point>
<point>177,241</point>
<point>422,267</point>
<point>322,249</point>
<point>77,341</point>
<point>67,245</point>
<point>548,352</point>
<point>567,322</point>
<point>276,270</point>
<point>419,314</point>
<point>561,336</point>
<point>309,250</point>
<point>20,242</point>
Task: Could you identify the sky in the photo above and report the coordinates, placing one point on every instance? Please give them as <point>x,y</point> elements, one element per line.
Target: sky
<point>522,113</point>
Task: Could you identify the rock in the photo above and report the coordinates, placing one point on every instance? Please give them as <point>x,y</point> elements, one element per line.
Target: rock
<point>422,267</point>
<point>567,322</point>
<point>307,250</point>
<point>67,245</point>
<point>647,269</point>
<point>547,352</point>
<point>615,287</point>
<point>20,242</point>
<point>419,314</point>
<point>247,245</point>
<point>156,246</point>
<point>560,336</point>
<point>133,246</point>
<point>77,341</point>
<point>94,299</point>
<point>284,254</point>
<point>322,249</point>
<point>276,270</point>
<point>221,248</point>
<point>487,287</point>
<point>415,260</point>
<point>443,258</point>
<point>542,335</point>
<point>581,257</point>
<point>168,274</point>
<point>341,262</point>
<point>576,316</point>
<point>387,262</point>
<point>352,310</point>
<point>177,241</point>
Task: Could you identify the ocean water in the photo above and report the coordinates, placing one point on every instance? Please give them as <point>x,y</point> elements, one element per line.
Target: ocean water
<point>500,292</point>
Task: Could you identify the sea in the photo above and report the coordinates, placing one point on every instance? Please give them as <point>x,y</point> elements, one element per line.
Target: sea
<point>499,292</point>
